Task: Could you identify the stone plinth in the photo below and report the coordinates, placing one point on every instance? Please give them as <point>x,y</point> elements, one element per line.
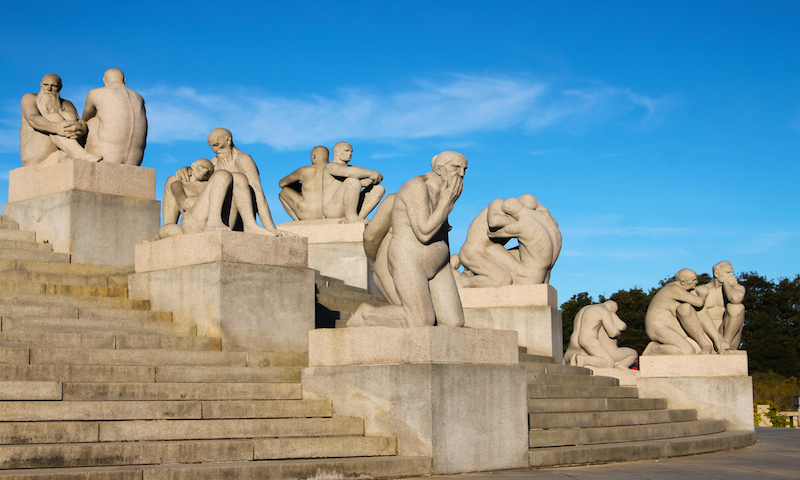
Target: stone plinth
<point>335,249</point>
<point>95,212</point>
<point>252,291</point>
<point>717,386</point>
<point>530,310</point>
<point>624,375</point>
<point>434,388</point>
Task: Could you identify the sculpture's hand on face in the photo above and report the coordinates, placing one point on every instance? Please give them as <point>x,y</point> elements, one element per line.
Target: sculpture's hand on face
<point>453,186</point>
<point>730,281</point>
<point>183,174</point>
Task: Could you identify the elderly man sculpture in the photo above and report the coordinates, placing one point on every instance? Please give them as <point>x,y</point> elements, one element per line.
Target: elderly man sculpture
<point>407,245</point>
<point>301,190</point>
<point>342,187</point>
<point>593,344</point>
<point>484,254</point>
<point>50,127</point>
<point>673,325</point>
<point>117,122</point>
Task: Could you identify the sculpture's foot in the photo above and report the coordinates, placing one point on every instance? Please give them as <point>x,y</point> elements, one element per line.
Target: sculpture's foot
<point>90,157</point>
<point>354,220</point>
<point>573,361</point>
<point>707,350</point>
<point>357,319</point>
<point>151,239</point>
<point>217,227</point>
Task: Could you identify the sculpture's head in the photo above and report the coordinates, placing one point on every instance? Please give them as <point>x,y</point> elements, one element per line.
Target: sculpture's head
<point>343,151</point>
<point>511,206</point>
<point>202,169</point>
<point>723,270</point>
<point>686,278</point>
<point>319,155</point>
<point>449,164</point>
<point>220,139</point>
<point>529,201</point>
<point>611,305</point>
<point>51,83</point>
<point>113,76</point>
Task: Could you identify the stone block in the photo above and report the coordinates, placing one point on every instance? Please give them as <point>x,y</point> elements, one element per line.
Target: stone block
<point>232,247</point>
<point>732,365</point>
<point>94,228</point>
<point>466,417</point>
<point>250,307</point>
<point>385,345</point>
<point>112,179</point>
<point>530,310</point>
<point>729,398</point>
<point>335,249</point>
<point>624,375</point>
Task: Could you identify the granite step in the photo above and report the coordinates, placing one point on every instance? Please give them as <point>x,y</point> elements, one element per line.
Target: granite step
<point>77,373</point>
<point>631,451</point>
<point>36,256</point>
<point>582,380</point>
<point>357,467</point>
<point>18,391</point>
<point>192,374</point>
<point>7,244</point>
<point>12,298</point>
<point>608,419</point>
<point>70,268</point>
<point>18,236</point>
<point>57,356</point>
<point>536,405</point>
<point>106,340</point>
<point>581,391</point>
<point>554,369</point>
<point>180,391</point>
<point>627,433</point>
<point>8,224</point>
<point>65,279</point>
<point>56,289</point>
<point>91,325</point>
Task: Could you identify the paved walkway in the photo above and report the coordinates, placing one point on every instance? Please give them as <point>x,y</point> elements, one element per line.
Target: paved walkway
<point>775,455</point>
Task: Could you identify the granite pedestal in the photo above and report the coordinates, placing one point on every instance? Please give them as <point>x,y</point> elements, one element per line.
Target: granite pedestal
<point>530,310</point>
<point>717,386</point>
<point>456,395</point>
<point>96,212</point>
<point>335,249</point>
<point>252,291</point>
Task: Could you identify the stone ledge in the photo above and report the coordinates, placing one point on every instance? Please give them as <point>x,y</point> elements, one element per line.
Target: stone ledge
<point>674,366</point>
<point>326,231</point>
<point>211,247</point>
<point>509,296</point>
<point>386,345</point>
<point>112,179</point>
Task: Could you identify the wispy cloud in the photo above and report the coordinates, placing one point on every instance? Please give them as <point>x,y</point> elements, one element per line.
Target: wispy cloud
<point>627,231</point>
<point>766,241</point>
<point>451,105</point>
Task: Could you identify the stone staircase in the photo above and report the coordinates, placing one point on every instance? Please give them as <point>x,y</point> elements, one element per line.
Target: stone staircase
<point>576,418</point>
<point>336,301</point>
<point>95,385</point>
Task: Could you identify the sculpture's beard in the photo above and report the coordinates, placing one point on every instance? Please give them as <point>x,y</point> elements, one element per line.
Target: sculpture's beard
<point>48,102</point>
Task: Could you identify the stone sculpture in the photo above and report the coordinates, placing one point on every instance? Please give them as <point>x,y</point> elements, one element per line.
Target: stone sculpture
<point>723,306</point>
<point>673,324</point>
<point>116,119</point>
<point>345,188</point>
<point>301,190</point>
<point>50,127</point>
<point>231,159</point>
<point>407,245</point>
<point>593,341</point>
<point>491,264</point>
<point>201,200</point>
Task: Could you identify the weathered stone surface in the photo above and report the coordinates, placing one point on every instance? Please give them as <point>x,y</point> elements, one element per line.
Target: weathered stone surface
<point>76,373</point>
<point>27,390</point>
<point>733,364</point>
<point>450,412</point>
<point>230,247</point>
<point>538,327</point>
<point>94,228</point>
<point>48,432</point>
<point>250,307</point>
<point>268,408</point>
<point>509,296</point>
<point>326,231</point>
<point>730,398</point>
<point>188,374</point>
<point>386,345</point>
<point>321,447</point>
<point>177,391</point>
<point>121,180</point>
<point>60,411</point>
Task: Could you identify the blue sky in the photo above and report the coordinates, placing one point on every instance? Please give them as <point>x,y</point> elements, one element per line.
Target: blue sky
<point>661,135</point>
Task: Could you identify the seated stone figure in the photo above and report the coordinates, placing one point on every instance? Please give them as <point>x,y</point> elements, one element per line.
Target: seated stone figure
<point>117,121</point>
<point>491,264</point>
<point>200,201</point>
<point>407,245</point>
<point>349,192</point>
<point>723,306</point>
<point>593,344</point>
<point>50,127</point>
<point>673,325</point>
<point>301,190</point>
<point>231,159</point>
